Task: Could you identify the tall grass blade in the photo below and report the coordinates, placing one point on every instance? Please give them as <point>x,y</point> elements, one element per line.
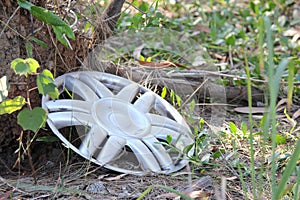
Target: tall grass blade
<point>252,159</point>
<point>288,171</point>
<point>274,78</point>
<point>290,85</point>
<point>145,192</point>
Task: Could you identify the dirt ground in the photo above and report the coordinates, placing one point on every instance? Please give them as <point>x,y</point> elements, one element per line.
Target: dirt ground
<point>60,173</point>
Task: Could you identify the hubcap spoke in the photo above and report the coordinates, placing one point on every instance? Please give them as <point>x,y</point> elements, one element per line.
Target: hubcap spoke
<point>92,141</point>
<point>144,155</point>
<point>160,153</point>
<point>64,119</point>
<point>68,105</point>
<point>100,89</point>
<point>128,93</point>
<point>113,146</point>
<point>145,102</point>
<point>161,121</point>
<point>78,87</point>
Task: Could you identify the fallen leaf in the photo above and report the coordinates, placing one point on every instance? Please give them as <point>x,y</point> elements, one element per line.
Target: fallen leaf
<point>281,102</point>
<point>202,28</point>
<point>296,114</point>
<point>261,116</point>
<point>247,110</point>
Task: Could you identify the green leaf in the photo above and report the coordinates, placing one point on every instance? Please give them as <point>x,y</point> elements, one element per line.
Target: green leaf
<point>142,58</point>
<point>164,92</point>
<point>280,139</point>
<point>230,39</point>
<point>149,59</point>
<point>59,26</point>
<point>169,139</point>
<point>45,83</point>
<point>47,16</point>
<point>25,4</point>
<point>244,128</point>
<point>28,48</point>
<point>32,119</point>
<point>4,86</point>
<point>24,67</point>
<point>60,31</point>
<point>144,6</point>
<point>39,42</point>
<point>178,100</point>
<point>233,128</point>
<point>11,105</point>
<point>188,148</point>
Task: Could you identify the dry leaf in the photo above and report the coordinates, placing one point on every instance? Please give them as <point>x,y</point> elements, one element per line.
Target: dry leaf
<point>291,33</point>
<point>260,116</point>
<point>247,110</point>
<point>164,64</point>
<point>202,28</point>
<point>296,114</point>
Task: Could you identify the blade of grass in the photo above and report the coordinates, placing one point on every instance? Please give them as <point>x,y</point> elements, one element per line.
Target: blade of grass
<point>145,192</point>
<point>260,44</point>
<point>252,159</point>
<point>288,171</point>
<point>273,83</point>
<point>290,85</point>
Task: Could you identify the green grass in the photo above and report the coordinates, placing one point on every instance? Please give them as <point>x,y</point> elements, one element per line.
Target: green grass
<point>251,36</point>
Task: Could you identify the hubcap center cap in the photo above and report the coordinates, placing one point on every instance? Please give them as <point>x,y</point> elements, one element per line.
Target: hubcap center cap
<point>120,118</point>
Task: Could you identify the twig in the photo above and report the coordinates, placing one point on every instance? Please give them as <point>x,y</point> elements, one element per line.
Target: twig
<point>30,158</point>
<point>6,24</point>
<point>5,165</point>
<point>198,88</point>
<point>59,54</point>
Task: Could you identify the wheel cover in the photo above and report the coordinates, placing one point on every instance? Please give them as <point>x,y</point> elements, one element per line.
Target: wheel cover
<point>121,125</point>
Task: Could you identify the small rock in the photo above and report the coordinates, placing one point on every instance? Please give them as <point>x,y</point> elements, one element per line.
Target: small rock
<point>96,188</point>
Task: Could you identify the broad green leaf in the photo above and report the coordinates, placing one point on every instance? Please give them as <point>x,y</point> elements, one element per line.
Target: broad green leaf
<point>11,105</point>
<point>233,128</point>
<point>24,67</point>
<point>60,31</point>
<point>32,119</point>
<point>45,84</point>
<point>59,26</point>
<point>4,86</point>
<point>47,16</point>
<point>25,4</point>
